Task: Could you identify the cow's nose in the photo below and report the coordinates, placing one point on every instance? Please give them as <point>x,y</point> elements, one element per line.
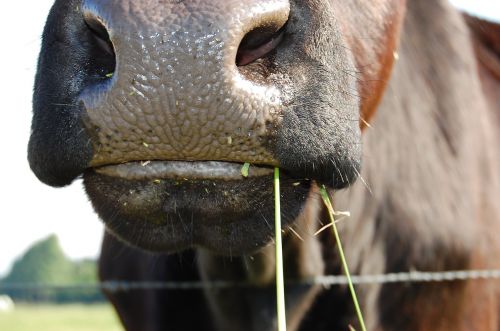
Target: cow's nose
<point>177,84</point>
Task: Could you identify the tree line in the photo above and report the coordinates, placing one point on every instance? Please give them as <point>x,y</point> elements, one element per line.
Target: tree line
<point>46,263</point>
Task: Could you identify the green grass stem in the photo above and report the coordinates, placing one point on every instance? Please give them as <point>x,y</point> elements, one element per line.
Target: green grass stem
<point>280,283</point>
<point>244,169</point>
<point>328,204</point>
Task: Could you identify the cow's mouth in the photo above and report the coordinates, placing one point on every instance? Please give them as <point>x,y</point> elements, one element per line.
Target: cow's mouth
<point>204,170</point>
<point>173,205</point>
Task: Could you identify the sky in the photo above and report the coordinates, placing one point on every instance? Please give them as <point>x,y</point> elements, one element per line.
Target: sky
<point>30,210</point>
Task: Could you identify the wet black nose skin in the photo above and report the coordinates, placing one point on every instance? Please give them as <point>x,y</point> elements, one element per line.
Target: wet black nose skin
<point>59,149</point>
<point>80,79</point>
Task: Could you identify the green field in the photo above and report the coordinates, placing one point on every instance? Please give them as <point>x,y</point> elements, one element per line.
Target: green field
<point>60,318</point>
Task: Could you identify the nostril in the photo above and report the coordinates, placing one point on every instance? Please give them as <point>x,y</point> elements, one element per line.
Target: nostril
<point>102,53</point>
<point>258,43</point>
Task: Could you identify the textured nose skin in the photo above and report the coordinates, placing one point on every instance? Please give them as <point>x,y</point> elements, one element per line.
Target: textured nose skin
<point>176,93</point>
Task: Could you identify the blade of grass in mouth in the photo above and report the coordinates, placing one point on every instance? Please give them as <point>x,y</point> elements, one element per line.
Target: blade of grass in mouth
<point>328,204</point>
<point>280,287</point>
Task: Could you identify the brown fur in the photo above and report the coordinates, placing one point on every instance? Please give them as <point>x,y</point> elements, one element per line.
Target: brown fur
<point>436,208</point>
<point>372,44</point>
<point>486,41</point>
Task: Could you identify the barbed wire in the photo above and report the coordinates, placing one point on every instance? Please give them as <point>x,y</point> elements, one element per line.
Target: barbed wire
<point>326,281</point>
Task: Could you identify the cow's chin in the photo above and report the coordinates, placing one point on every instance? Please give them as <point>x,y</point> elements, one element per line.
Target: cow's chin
<point>173,208</point>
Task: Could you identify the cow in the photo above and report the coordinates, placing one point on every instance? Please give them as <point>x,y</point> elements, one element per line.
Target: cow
<point>157,104</point>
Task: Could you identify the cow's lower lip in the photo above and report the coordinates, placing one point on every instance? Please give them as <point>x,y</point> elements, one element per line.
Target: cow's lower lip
<point>151,170</point>
<point>167,214</point>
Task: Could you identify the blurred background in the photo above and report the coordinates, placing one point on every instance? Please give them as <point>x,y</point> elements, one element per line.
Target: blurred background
<point>40,224</point>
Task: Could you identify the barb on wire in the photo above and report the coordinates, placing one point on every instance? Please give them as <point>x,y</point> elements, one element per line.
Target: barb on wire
<point>327,280</point>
